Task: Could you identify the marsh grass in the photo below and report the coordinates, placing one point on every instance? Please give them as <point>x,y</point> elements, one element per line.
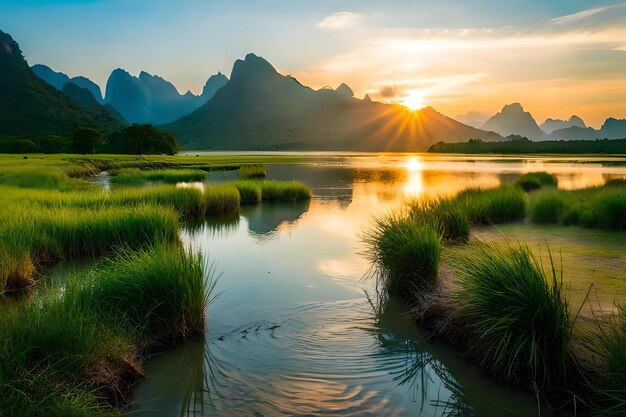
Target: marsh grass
<point>30,238</point>
<point>135,176</point>
<point>535,180</point>
<point>516,315</point>
<point>445,215</point>
<point>252,172</point>
<point>491,206</point>
<point>221,200</point>
<point>284,191</point>
<point>63,354</point>
<point>39,177</point>
<point>250,191</point>
<point>405,251</point>
<point>548,206</point>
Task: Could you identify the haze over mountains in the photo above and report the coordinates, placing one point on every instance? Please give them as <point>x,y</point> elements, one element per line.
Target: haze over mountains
<point>31,107</point>
<point>262,109</point>
<point>257,109</point>
<point>144,99</point>
<point>514,120</point>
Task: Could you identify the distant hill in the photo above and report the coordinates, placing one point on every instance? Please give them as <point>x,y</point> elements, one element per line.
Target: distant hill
<point>106,115</point>
<point>525,146</point>
<point>611,129</point>
<point>29,106</point>
<point>513,120</point>
<point>550,125</point>
<point>262,109</point>
<point>152,99</point>
<point>59,79</point>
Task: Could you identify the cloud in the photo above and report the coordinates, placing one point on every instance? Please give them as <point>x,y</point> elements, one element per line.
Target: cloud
<point>570,59</point>
<point>340,20</point>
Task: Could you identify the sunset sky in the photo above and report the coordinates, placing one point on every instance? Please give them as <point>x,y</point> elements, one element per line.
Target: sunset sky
<point>557,59</point>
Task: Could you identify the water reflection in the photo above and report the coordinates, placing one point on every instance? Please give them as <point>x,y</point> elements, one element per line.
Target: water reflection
<point>292,332</point>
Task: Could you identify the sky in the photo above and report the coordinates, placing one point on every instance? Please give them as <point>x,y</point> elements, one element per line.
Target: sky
<point>465,58</point>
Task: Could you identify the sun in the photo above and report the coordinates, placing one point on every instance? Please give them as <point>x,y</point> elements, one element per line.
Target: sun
<point>414,101</point>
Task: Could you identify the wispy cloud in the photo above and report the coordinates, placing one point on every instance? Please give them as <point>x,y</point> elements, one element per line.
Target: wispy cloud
<point>481,69</point>
<point>340,20</point>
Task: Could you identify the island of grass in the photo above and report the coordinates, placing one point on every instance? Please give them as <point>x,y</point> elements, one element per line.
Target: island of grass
<point>78,350</point>
<point>525,146</point>
<point>532,302</point>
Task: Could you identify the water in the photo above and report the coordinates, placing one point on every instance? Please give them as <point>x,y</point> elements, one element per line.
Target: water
<point>292,331</point>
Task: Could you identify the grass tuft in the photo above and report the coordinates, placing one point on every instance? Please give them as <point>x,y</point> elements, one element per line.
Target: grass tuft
<point>252,172</point>
<point>548,206</point>
<point>284,191</point>
<point>535,180</point>
<point>406,252</point>
<point>517,318</point>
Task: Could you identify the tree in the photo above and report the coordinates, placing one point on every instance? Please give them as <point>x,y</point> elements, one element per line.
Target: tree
<point>53,144</point>
<point>142,140</point>
<point>84,140</point>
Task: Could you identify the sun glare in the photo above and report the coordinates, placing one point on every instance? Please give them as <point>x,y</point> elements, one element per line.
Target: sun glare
<point>414,101</point>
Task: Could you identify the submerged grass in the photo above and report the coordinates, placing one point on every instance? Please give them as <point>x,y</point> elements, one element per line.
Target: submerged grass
<point>135,176</point>
<point>69,355</point>
<point>517,317</point>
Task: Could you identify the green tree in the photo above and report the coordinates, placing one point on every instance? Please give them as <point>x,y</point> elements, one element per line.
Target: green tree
<point>141,140</point>
<point>84,140</point>
<point>53,144</point>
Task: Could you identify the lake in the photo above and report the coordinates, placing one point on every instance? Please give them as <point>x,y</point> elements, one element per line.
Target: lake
<point>293,329</point>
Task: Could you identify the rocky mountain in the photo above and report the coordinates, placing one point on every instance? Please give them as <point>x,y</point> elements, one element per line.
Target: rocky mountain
<point>59,79</point>
<point>550,125</point>
<point>30,106</point>
<point>262,109</point>
<point>611,129</point>
<point>152,99</point>
<point>472,118</point>
<point>513,120</point>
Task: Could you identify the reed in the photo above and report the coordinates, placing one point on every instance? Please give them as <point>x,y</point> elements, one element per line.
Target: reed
<point>252,172</point>
<point>284,191</point>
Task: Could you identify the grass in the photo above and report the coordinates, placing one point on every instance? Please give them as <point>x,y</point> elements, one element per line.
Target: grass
<point>535,180</point>
<point>78,353</point>
<point>135,176</point>
<point>548,207</point>
<point>517,317</point>
<point>221,200</point>
<point>449,219</point>
<point>31,238</point>
<point>491,206</point>
<point>252,172</point>
<point>284,191</point>
<point>250,191</point>
<point>406,253</point>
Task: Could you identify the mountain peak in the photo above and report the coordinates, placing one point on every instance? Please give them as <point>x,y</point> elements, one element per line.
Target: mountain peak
<point>252,66</point>
<point>577,121</point>
<point>367,98</point>
<point>345,90</point>
<point>513,108</point>
<point>514,120</point>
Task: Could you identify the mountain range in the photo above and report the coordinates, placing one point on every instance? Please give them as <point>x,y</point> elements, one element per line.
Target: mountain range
<point>514,120</point>
<point>262,109</point>
<point>144,99</point>
<point>30,107</point>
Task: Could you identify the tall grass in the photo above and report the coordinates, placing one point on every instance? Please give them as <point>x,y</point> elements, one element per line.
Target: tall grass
<point>39,236</point>
<point>517,317</point>
<point>38,177</point>
<point>221,200</point>
<point>66,355</point>
<point>535,180</point>
<point>252,172</point>
<point>405,252</point>
<point>609,211</point>
<point>284,191</point>
<point>449,219</point>
<point>491,206</point>
<point>135,176</point>
<point>548,206</point>
<point>250,191</point>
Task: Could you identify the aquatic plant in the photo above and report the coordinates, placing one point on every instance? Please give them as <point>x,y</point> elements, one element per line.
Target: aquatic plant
<point>284,191</point>
<point>405,251</point>
<point>449,219</point>
<point>250,191</point>
<point>79,353</point>
<point>252,172</point>
<point>135,176</point>
<point>221,200</point>
<point>534,180</point>
<point>492,206</point>
<point>517,322</point>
